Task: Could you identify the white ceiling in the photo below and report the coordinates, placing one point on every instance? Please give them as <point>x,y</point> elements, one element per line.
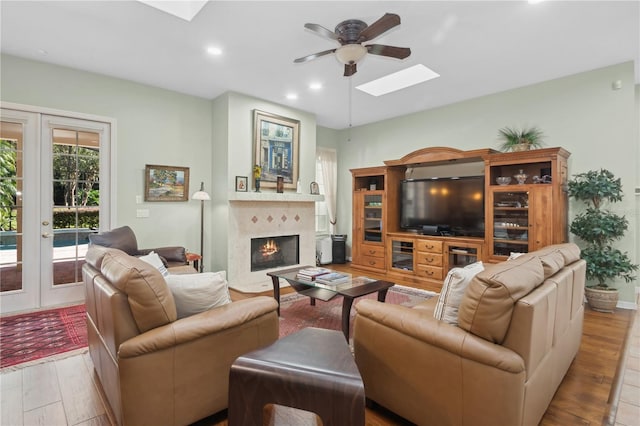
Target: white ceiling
<point>477,47</point>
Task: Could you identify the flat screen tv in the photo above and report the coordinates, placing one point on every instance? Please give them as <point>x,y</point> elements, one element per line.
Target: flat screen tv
<point>443,206</point>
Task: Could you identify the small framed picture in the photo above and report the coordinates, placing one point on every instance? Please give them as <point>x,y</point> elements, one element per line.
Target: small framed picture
<point>241,183</point>
<point>314,188</point>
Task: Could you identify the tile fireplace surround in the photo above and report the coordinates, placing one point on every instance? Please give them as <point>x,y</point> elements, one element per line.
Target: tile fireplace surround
<point>259,215</point>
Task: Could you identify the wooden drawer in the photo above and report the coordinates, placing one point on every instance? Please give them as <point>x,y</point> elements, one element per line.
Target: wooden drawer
<point>372,262</point>
<point>430,259</point>
<point>432,246</point>
<point>434,272</point>
<point>373,251</point>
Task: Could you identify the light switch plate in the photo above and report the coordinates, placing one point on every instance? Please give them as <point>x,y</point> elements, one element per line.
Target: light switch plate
<point>142,213</point>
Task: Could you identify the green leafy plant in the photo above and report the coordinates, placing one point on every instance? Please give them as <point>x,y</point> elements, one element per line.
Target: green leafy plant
<point>599,227</point>
<point>512,138</point>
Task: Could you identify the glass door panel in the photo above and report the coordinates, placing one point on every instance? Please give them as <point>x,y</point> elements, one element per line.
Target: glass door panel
<point>11,222</point>
<point>373,218</point>
<point>402,255</point>
<point>75,190</point>
<point>19,260</point>
<point>510,222</point>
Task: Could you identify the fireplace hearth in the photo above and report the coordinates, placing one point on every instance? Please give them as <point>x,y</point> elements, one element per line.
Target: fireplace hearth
<point>274,252</point>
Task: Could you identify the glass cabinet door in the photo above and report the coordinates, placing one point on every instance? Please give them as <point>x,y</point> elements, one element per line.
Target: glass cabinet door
<point>372,218</point>
<point>510,222</point>
<point>402,255</point>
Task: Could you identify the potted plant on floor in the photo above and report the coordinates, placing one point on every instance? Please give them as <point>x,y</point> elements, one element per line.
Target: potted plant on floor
<point>520,139</point>
<point>599,228</point>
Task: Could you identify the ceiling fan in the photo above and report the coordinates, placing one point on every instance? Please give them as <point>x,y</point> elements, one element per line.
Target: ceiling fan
<point>351,34</point>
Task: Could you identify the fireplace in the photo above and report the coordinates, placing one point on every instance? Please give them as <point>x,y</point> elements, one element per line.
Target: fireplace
<point>274,252</point>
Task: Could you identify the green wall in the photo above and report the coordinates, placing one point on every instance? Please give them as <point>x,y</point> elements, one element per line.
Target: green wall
<point>154,126</point>
<point>581,113</point>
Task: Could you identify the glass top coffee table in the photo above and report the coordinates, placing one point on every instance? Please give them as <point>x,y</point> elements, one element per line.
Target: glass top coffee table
<point>349,289</point>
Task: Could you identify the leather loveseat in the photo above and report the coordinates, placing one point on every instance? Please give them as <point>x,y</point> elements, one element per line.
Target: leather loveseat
<point>156,369</point>
<point>519,329</point>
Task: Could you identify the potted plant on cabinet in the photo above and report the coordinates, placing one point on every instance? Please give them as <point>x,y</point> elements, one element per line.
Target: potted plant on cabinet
<point>599,228</point>
<point>520,139</point>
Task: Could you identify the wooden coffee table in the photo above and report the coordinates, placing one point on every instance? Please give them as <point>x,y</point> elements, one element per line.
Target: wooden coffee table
<point>349,290</point>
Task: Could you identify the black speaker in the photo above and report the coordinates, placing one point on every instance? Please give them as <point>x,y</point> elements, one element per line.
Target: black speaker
<point>430,230</point>
<point>338,249</point>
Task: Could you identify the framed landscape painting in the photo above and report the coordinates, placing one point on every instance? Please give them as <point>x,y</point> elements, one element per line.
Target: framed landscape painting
<point>166,183</point>
<point>276,148</point>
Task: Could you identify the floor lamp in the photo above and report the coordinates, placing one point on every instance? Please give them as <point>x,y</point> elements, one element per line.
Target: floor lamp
<point>202,196</point>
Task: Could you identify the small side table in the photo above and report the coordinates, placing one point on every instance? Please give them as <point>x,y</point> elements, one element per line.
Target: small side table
<point>195,258</point>
<point>311,370</point>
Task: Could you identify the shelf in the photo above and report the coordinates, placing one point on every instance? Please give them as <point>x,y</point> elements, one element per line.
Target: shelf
<point>513,228</point>
<point>274,196</point>
<point>506,241</point>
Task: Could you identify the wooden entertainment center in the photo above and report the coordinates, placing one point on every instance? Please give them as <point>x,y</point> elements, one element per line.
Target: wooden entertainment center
<point>517,217</point>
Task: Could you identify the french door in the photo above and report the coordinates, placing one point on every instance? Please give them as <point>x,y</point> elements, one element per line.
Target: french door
<point>54,181</point>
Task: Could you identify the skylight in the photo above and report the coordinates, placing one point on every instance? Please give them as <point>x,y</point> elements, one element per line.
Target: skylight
<point>398,80</point>
<point>185,9</point>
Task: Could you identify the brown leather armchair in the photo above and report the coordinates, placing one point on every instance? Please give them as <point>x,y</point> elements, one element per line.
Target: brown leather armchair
<point>124,239</point>
<point>156,369</point>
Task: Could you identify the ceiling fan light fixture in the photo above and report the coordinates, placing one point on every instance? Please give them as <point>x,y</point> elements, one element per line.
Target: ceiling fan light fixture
<point>350,53</point>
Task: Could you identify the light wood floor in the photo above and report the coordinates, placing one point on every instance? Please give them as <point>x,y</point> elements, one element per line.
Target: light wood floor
<point>65,391</point>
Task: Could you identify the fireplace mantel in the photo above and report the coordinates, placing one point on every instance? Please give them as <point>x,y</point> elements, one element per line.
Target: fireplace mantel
<point>274,196</point>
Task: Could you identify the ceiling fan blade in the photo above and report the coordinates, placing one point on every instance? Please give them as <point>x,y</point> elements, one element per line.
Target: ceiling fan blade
<point>322,31</point>
<point>313,56</point>
<point>382,25</point>
<point>391,51</point>
<point>349,70</point>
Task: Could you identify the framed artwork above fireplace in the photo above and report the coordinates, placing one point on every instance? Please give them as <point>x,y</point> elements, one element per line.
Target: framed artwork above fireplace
<point>276,143</point>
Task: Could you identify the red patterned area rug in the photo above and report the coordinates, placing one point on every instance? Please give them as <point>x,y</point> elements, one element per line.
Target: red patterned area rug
<point>28,337</point>
<point>297,313</point>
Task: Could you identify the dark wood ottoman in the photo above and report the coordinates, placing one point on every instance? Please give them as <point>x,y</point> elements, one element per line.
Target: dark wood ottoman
<point>311,370</point>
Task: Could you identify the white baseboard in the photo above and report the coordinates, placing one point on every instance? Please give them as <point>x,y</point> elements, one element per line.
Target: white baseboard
<point>627,305</point>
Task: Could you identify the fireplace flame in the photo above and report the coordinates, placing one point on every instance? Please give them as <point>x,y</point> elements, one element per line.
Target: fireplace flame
<point>269,248</point>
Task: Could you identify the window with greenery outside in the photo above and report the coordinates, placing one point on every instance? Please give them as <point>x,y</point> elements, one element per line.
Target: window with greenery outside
<point>76,192</point>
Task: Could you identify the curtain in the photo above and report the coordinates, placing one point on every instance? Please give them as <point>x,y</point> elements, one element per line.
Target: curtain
<point>329,165</point>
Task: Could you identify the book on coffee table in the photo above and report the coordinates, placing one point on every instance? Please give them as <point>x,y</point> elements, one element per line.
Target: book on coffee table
<point>332,278</point>
<point>311,274</point>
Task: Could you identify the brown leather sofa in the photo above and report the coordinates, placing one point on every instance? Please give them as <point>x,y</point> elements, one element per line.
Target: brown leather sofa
<point>123,238</point>
<point>519,329</point>
<point>155,369</point>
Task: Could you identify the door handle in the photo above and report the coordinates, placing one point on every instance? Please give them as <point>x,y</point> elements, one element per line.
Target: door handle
<point>46,235</point>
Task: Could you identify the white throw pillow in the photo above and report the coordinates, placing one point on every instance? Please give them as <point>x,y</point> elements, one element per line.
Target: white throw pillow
<point>195,293</point>
<point>154,260</point>
<point>453,289</point>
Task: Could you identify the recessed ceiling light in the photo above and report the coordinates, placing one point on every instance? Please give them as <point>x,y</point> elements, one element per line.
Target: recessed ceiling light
<point>214,51</point>
<point>315,86</point>
<point>398,80</point>
<point>292,96</point>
